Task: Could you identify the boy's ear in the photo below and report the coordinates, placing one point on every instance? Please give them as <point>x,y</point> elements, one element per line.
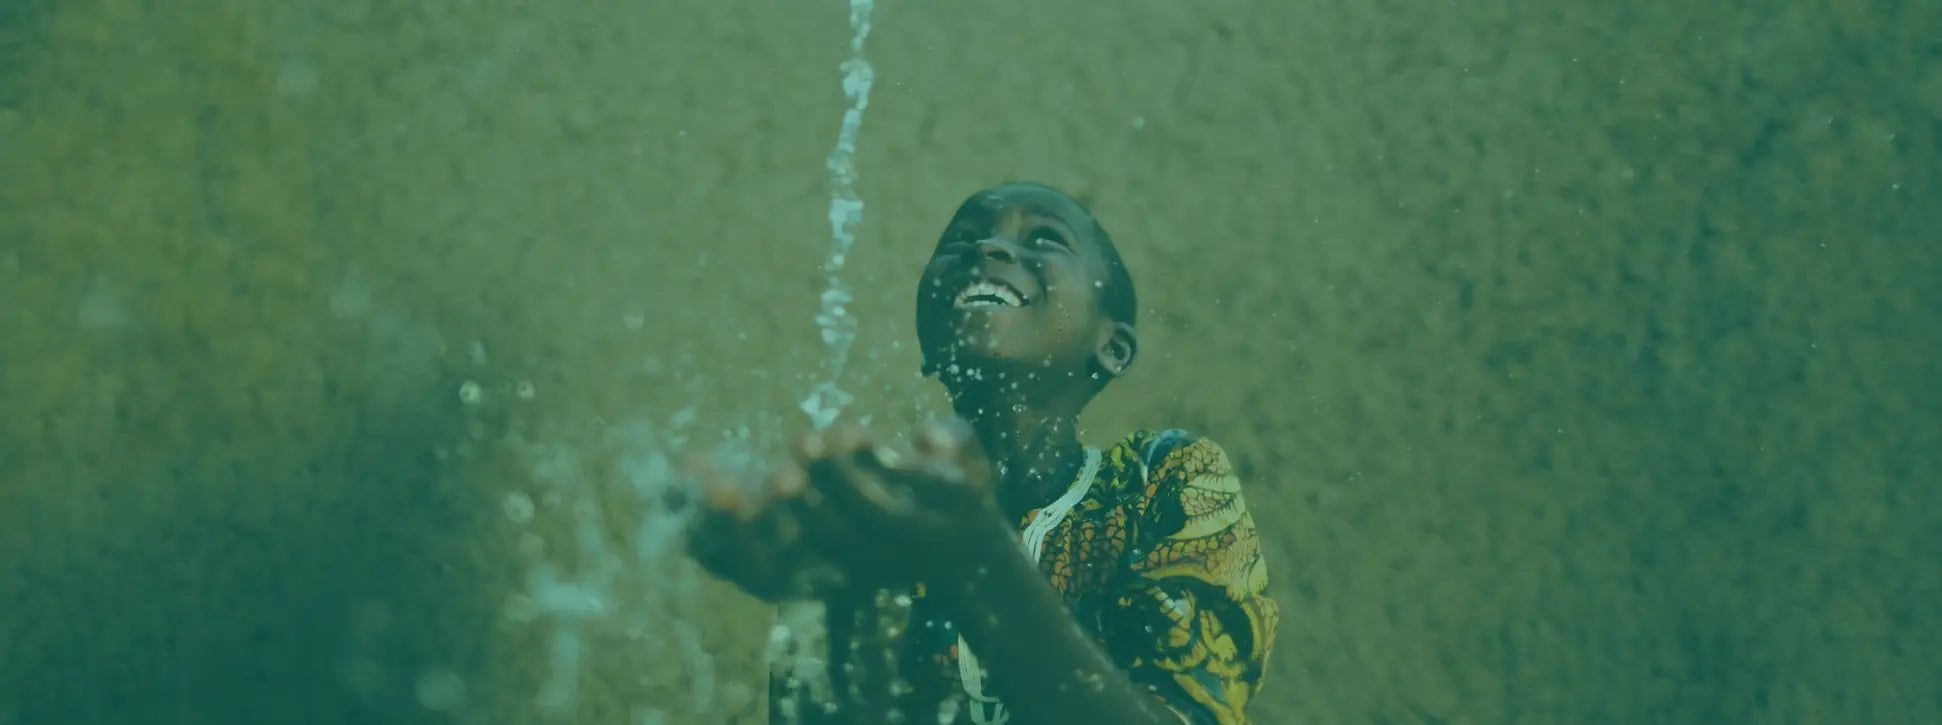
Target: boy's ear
<point>1117,350</point>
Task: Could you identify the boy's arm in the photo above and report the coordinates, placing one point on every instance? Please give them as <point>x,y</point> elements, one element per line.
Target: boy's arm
<point>1054,672</point>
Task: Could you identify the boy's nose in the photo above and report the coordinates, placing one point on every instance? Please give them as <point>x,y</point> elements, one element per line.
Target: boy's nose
<point>995,249</point>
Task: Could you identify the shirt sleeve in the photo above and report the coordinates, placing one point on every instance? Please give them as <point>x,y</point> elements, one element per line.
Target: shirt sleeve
<point>1192,620</point>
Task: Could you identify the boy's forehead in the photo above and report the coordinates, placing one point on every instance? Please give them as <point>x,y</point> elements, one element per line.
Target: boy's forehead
<point>1002,201</point>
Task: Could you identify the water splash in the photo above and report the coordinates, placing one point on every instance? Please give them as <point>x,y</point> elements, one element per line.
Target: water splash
<point>602,578</point>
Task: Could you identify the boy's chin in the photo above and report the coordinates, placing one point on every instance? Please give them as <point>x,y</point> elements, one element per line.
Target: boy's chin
<point>961,360</point>
<point>986,365</point>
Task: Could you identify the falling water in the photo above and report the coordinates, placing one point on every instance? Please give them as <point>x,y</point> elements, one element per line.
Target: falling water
<point>798,632</point>
<point>641,590</point>
<point>593,525</point>
<point>826,402</point>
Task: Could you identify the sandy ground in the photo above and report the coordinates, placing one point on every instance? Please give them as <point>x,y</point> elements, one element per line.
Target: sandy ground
<point>1575,353</point>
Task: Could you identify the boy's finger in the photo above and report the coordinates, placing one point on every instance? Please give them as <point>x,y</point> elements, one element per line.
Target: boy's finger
<point>812,445</point>
<point>707,478</point>
<point>880,457</point>
<point>728,498</point>
<point>942,437</point>
<point>787,482</point>
<point>819,444</point>
<point>858,493</point>
<point>844,440</point>
<point>929,473</point>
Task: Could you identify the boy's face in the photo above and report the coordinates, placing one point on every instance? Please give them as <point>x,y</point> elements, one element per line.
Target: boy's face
<point>1015,285</point>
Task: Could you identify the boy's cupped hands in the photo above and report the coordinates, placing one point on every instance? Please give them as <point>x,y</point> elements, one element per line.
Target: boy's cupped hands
<point>851,510</point>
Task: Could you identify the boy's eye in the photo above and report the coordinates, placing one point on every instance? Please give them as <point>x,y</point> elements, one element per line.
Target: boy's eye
<point>958,239</point>
<point>1045,235</point>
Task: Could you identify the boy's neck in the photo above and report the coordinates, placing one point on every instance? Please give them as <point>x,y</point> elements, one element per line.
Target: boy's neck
<point>1035,453</point>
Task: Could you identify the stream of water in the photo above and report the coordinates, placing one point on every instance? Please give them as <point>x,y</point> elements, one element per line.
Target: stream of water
<point>580,587</point>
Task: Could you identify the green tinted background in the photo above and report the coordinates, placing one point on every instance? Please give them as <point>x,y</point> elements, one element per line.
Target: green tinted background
<point>1576,353</point>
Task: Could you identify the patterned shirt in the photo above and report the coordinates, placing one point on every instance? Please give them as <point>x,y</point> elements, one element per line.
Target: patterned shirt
<point>1160,562</point>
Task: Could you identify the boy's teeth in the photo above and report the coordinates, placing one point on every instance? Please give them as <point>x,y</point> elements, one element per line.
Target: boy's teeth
<point>988,294</point>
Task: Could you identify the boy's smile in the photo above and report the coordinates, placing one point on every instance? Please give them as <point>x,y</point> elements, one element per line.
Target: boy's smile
<point>990,293</point>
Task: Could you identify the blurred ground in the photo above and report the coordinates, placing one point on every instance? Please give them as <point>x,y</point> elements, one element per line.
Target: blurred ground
<point>1577,354</point>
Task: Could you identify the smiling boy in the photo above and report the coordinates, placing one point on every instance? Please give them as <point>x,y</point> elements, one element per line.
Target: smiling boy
<point>1047,582</point>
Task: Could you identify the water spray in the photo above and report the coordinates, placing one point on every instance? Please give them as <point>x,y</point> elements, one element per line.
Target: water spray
<point>799,629</point>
